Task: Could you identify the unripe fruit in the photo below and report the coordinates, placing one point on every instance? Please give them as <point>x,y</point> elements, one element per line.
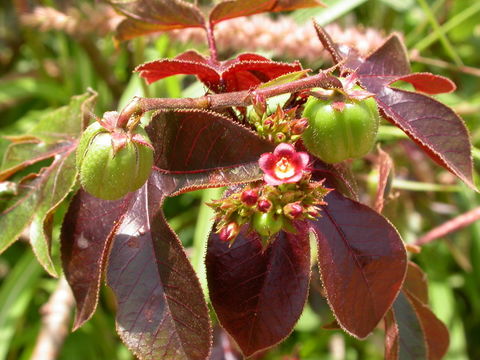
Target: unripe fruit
<point>267,224</point>
<point>110,174</point>
<point>340,131</point>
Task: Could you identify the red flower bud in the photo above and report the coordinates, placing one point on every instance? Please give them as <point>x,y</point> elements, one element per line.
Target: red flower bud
<point>268,123</point>
<point>280,137</point>
<point>249,197</point>
<point>264,205</point>
<point>293,210</point>
<point>229,232</point>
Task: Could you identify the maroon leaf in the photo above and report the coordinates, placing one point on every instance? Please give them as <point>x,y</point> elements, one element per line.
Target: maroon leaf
<point>147,16</point>
<point>416,282</point>
<point>161,310</point>
<point>408,341</point>
<point>438,130</point>
<point>258,295</point>
<point>429,83</point>
<point>362,263</point>
<point>413,331</point>
<point>242,73</point>
<point>202,148</point>
<point>236,8</point>
<point>435,332</point>
<point>86,235</point>
<point>385,169</point>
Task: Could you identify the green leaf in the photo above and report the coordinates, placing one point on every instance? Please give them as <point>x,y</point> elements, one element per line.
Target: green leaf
<point>39,195</point>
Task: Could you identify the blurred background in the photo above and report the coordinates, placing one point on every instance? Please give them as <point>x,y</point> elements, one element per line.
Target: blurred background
<point>51,50</point>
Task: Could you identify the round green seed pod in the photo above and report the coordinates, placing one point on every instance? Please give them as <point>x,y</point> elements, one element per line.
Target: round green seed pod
<point>334,135</point>
<point>267,224</point>
<point>109,174</point>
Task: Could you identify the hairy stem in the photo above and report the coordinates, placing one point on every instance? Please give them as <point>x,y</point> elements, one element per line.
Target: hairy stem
<point>211,42</point>
<point>139,105</point>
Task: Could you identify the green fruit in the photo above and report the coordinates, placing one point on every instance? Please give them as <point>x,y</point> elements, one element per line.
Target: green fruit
<point>107,174</point>
<point>334,135</point>
<point>267,224</point>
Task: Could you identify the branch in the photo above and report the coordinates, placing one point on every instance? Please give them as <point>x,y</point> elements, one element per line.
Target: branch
<point>139,105</point>
<point>450,226</point>
<point>55,323</point>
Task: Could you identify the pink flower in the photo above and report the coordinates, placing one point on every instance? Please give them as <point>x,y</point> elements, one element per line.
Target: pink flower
<point>284,165</point>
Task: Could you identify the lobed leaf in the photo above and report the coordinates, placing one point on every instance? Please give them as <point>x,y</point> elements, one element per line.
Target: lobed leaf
<point>198,148</point>
<point>362,263</point>
<point>436,128</point>
<point>148,16</point>
<point>258,294</point>
<point>244,72</point>
<point>236,8</point>
<point>40,194</point>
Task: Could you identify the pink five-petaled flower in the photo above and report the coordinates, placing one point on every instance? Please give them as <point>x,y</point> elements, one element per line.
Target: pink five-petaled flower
<point>284,165</point>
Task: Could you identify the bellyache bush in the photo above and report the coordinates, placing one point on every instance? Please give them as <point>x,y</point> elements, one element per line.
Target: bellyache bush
<point>282,189</point>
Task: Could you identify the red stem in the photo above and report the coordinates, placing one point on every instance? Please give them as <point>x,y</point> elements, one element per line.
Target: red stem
<point>211,42</point>
<point>139,105</point>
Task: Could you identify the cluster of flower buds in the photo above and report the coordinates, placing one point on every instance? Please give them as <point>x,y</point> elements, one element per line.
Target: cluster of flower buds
<point>278,127</point>
<point>286,195</point>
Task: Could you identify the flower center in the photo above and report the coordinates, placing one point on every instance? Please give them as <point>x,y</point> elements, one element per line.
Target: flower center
<point>284,169</point>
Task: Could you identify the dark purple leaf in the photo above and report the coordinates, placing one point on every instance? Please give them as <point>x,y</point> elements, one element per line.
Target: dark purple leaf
<point>413,331</point>
<point>385,169</point>
<point>416,282</point>
<point>258,295</point>
<point>436,128</point>
<point>161,310</point>
<point>410,337</point>
<point>244,72</point>
<point>87,232</point>
<point>202,148</point>
<point>147,16</point>
<point>236,8</point>
<point>362,262</point>
<point>435,332</point>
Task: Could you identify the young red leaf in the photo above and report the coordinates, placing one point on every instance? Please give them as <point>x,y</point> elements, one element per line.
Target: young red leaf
<point>161,309</point>
<point>391,336</point>
<point>202,148</point>
<point>362,263</point>
<point>87,231</point>
<point>258,294</point>
<point>236,8</point>
<point>385,169</point>
<point>242,73</point>
<point>147,16</point>
<point>429,83</point>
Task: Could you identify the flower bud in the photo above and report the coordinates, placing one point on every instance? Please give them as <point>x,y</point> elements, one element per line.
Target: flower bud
<point>293,210</point>
<point>298,126</point>
<point>249,197</point>
<point>229,232</point>
<point>280,137</point>
<point>264,205</point>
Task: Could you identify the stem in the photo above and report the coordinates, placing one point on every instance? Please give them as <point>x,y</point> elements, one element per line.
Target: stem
<point>139,105</point>
<point>211,42</point>
<point>55,322</point>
